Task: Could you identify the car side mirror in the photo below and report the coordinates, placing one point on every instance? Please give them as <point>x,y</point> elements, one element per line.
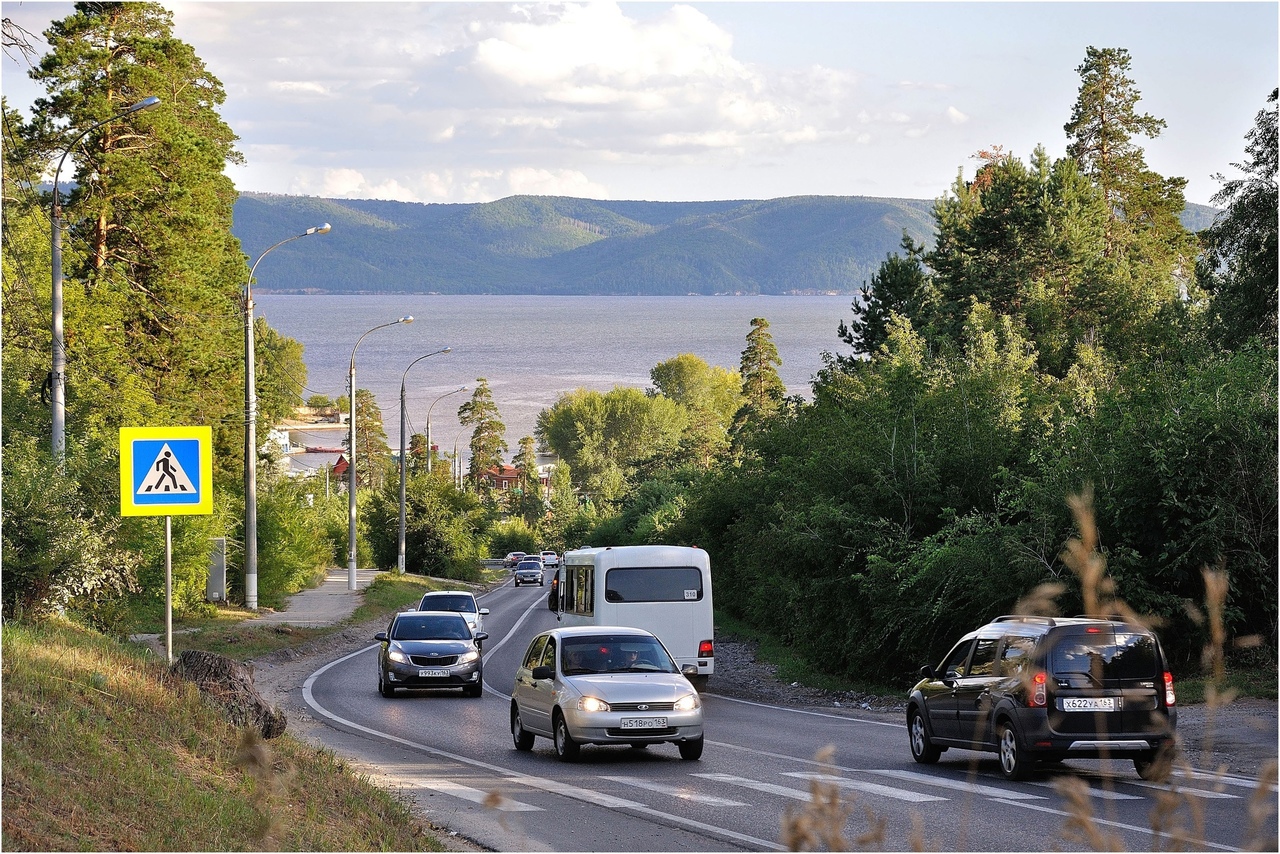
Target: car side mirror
<point>484,612</point>
<point>926,672</point>
<point>542,671</point>
<point>481,636</point>
<point>381,636</point>
<point>689,671</point>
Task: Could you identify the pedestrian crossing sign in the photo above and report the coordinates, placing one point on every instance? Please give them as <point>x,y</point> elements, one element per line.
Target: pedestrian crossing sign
<point>166,471</point>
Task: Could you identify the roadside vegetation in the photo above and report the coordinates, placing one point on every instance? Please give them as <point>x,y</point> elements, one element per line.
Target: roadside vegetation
<point>1062,335</point>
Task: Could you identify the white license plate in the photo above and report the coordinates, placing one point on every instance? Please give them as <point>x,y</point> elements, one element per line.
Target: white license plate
<point>432,674</point>
<point>644,723</point>
<point>1089,704</point>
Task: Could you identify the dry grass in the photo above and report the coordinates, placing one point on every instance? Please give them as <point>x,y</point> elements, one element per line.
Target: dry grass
<point>104,751</point>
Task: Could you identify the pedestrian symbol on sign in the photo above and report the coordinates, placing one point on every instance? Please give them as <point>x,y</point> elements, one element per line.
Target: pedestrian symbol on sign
<point>167,474</point>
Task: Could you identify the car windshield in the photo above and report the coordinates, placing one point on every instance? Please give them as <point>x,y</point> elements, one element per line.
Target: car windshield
<point>433,627</point>
<point>529,564</point>
<point>614,654</point>
<point>448,603</point>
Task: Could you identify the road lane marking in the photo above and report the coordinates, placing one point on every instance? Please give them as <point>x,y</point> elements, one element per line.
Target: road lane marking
<point>768,788</point>
<point>1226,779</point>
<point>1100,794</point>
<point>673,791</point>
<point>661,817</point>
<point>1185,790</point>
<point>957,785</point>
<point>902,725</point>
<point>457,790</point>
<point>866,787</point>
<point>1136,828</point>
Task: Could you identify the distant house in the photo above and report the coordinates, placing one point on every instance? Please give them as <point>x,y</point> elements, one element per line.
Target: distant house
<point>508,477</point>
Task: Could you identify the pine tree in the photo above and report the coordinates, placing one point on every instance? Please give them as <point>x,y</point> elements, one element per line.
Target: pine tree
<point>898,287</point>
<point>152,327</point>
<point>761,386</point>
<point>487,443</point>
<point>1239,264</point>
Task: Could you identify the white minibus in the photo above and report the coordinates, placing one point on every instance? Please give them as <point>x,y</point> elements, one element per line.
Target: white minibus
<point>662,589</point>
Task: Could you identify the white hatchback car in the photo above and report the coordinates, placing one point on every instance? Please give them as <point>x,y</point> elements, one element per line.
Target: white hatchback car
<point>603,685</point>
<point>462,601</point>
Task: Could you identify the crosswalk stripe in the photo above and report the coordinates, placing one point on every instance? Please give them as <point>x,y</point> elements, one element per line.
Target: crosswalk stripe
<point>769,788</point>
<point>1186,790</point>
<point>495,800</point>
<point>868,788</point>
<point>958,785</point>
<point>1100,794</point>
<point>674,791</point>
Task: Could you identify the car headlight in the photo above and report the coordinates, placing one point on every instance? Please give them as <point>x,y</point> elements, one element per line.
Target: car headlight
<point>468,657</point>
<point>592,704</point>
<point>688,703</point>
<point>396,655</point>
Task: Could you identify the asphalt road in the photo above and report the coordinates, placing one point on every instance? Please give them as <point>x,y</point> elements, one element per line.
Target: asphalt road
<point>453,757</point>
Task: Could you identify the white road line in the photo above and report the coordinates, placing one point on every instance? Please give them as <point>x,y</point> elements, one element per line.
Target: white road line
<point>868,788</point>
<point>494,800</point>
<point>1186,790</point>
<point>673,791</point>
<point>555,787</point>
<point>957,785</point>
<point>1226,779</point>
<point>768,788</point>
<point>1100,794</point>
<point>902,725</point>
<point>1117,824</point>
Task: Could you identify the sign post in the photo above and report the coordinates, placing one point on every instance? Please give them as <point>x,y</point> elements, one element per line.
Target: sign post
<point>166,471</point>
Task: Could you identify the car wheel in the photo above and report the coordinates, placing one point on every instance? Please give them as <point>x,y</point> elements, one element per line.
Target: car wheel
<point>1014,763</point>
<point>522,738</point>
<point>385,688</point>
<point>566,747</point>
<point>923,750</point>
<point>1155,767</point>
<point>691,749</point>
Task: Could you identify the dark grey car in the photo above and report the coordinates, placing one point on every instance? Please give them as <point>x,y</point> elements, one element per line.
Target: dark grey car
<point>430,649</point>
<point>1041,688</point>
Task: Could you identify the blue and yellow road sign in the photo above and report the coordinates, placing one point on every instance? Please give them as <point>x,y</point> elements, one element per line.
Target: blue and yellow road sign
<point>166,471</point>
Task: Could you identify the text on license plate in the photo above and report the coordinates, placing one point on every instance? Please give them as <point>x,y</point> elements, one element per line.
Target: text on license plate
<point>644,723</point>
<point>1089,704</point>
<point>432,674</point>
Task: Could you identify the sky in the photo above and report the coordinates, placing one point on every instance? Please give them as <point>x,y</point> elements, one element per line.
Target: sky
<point>659,101</point>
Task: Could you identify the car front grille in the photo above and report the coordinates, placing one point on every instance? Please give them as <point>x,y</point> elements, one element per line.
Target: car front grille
<point>434,660</point>
<point>642,707</point>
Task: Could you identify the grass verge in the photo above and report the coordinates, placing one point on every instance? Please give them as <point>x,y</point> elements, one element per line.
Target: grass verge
<point>104,751</point>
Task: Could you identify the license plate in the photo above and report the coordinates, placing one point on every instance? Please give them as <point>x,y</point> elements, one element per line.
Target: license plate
<point>1089,704</point>
<point>644,723</point>
<point>432,674</point>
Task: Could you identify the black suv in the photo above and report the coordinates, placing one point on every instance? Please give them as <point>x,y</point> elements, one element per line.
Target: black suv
<point>1042,688</point>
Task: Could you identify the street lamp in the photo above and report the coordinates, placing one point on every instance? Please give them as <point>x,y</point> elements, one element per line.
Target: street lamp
<point>429,408</point>
<point>251,433</point>
<point>403,429</point>
<point>59,378</point>
<point>351,461</point>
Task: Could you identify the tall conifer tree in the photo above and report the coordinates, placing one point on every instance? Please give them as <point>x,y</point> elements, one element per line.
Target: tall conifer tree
<point>487,442</point>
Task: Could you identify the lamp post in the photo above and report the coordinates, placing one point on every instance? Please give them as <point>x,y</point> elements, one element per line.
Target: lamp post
<point>429,408</point>
<point>351,461</point>
<point>404,429</point>
<point>59,373</point>
<point>251,433</point>
<point>457,464</point>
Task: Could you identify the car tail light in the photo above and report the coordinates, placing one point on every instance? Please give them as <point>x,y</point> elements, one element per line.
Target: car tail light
<point>706,649</point>
<point>1037,698</point>
<point>1169,698</point>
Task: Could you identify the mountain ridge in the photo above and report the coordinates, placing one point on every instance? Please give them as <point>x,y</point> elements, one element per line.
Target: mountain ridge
<point>564,245</point>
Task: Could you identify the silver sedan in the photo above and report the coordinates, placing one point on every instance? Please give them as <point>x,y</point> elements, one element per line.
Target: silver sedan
<point>603,685</point>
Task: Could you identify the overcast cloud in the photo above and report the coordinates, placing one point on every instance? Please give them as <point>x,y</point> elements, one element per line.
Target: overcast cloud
<point>464,102</point>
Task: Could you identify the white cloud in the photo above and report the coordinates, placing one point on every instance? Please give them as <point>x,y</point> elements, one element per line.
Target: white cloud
<point>956,117</point>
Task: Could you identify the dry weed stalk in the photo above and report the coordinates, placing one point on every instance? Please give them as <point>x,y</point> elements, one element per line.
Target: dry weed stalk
<point>254,757</point>
<point>822,821</point>
<point>1080,826</point>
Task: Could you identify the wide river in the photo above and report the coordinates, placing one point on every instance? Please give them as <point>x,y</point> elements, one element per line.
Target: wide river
<point>534,348</point>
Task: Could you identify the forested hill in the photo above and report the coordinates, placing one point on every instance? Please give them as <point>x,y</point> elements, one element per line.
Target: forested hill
<point>561,245</point>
